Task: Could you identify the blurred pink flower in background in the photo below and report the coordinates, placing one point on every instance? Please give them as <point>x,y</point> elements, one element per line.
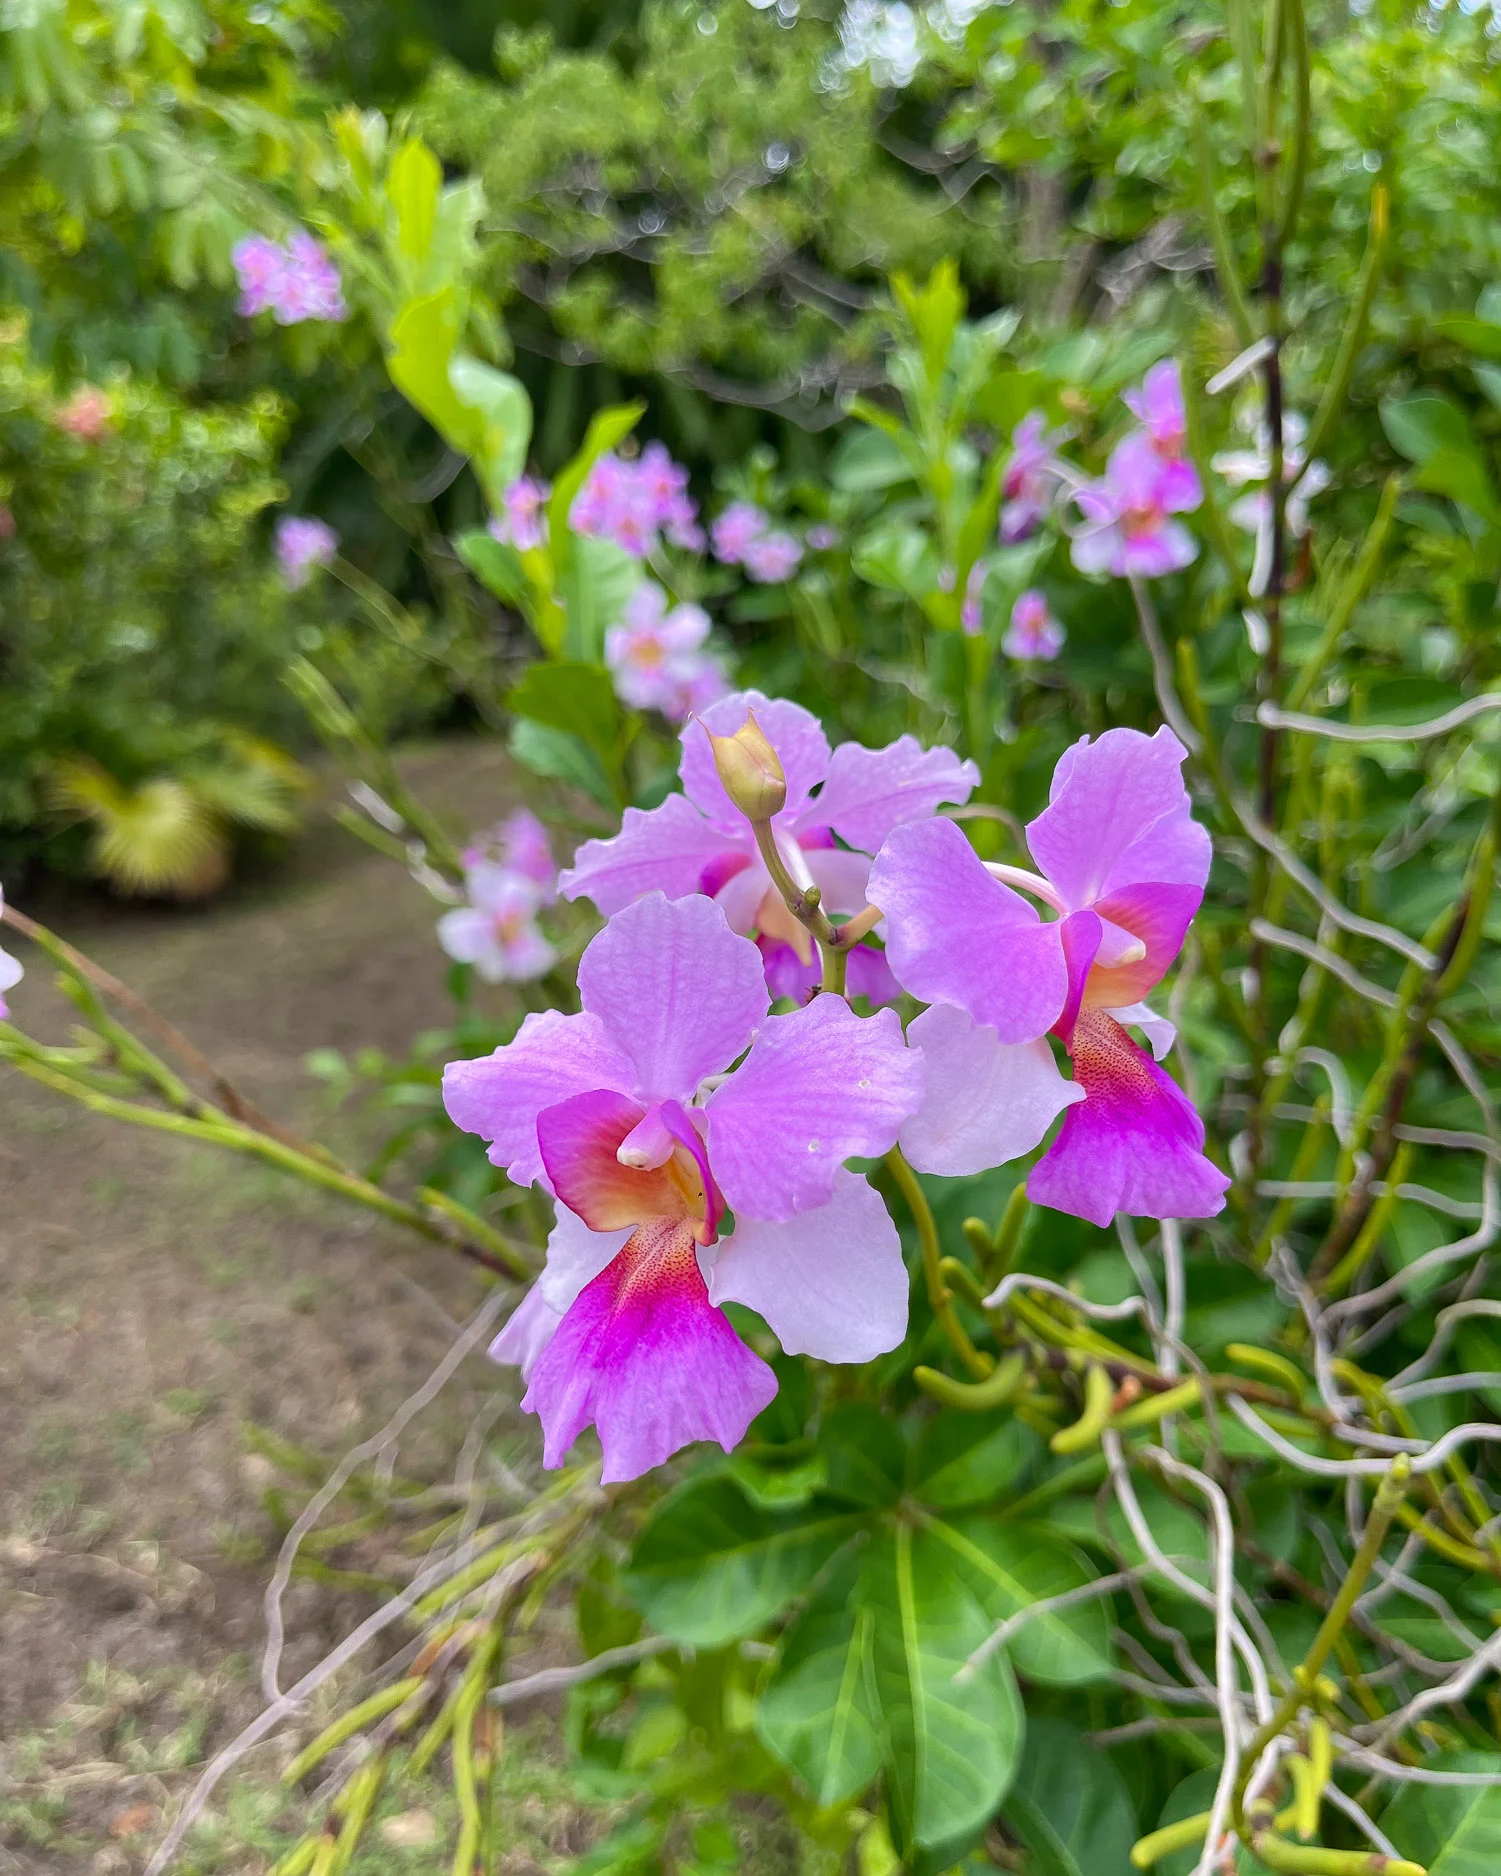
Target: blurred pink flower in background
<point>733,531</point>
<point>971,612</point>
<point>1029,482</point>
<point>1128,526</point>
<point>772,557</point>
<point>7,523</point>
<point>497,930</point>
<point>520,843</point>
<point>85,414</point>
<point>637,503</point>
<point>1253,510</point>
<point>657,658</point>
<point>523,520</point>
<point>1158,406</point>
<point>302,543</point>
<point>1033,632</point>
<point>293,281</point>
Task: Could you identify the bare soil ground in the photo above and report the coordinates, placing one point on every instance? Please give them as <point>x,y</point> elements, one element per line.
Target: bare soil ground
<point>154,1298</point>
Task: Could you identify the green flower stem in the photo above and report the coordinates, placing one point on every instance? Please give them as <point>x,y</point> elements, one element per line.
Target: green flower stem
<point>1304,1161</point>
<point>468,1706</point>
<point>1363,1249</point>
<point>1352,589</point>
<point>1226,270</point>
<point>1294,21</point>
<point>1184,1835</point>
<point>476,1240</point>
<point>1302,1860</point>
<point>939,1295</point>
<point>978,1396</point>
<point>1099,1391</point>
<point>1389,1497</point>
<point>357,1801</point>
<point>1337,387</point>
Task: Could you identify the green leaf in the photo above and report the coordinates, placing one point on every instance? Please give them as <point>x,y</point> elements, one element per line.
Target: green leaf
<point>951,1746</point>
<point>1008,1567</point>
<point>710,1567</point>
<point>819,1715</point>
<point>596,581</point>
<point>864,1454</point>
<point>495,564</point>
<point>1419,425</point>
<point>1460,474</point>
<point>901,559</point>
<point>424,336</point>
<point>964,1459</point>
<point>560,758</point>
<point>1455,1830</point>
<point>1476,335</point>
<point>504,414</point>
<point>867,461</point>
<point>1070,1806</point>
<point>412,188</point>
<point>575,698</point>
<point>1191,1799</point>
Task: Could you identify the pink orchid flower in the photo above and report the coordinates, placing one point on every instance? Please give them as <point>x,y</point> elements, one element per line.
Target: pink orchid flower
<point>736,530</point>
<point>1128,526</point>
<point>773,557</point>
<point>303,542</point>
<point>497,931</point>
<point>972,608</point>
<point>698,842</point>
<point>10,970</point>
<point>1033,631</point>
<point>519,842</point>
<point>635,503</point>
<point>1124,866</point>
<point>523,520</point>
<point>656,655</point>
<point>1030,482</point>
<point>626,1114</point>
<point>1158,406</point>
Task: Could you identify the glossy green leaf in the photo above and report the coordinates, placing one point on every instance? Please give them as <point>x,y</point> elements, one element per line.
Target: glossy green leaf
<point>711,1567</point>
<point>560,758</point>
<point>1070,1806</point>
<point>495,564</point>
<point>504,414</point>
<point>864,1454</point>
<point>965,1459</point>
<point>819,1715</point>
<point>606,428</point>
<point>1454,1830</point>
<point>1419,425</point>
<point>1008,1567</point>
<point>596,581</point>
<point>576,698</point>
<point>951,1746</point>
<point>412,187</point>
<point>1461,475</point>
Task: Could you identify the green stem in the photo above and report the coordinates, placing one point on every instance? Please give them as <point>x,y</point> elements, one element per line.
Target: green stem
<point>1338,385</point>
<point>939,1295</point>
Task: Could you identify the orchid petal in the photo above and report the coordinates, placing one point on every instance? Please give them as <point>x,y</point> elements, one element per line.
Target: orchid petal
<point>581,1141</point>
<point>820,1086</point>
<point>499,1096</point>
<point>677,991</point>
<point>530,1327</point>
<point>1134,1145</point>
<point>1160,1031</point>
<point>842,878</point>
<point>644,1356</point>
<point>662,849</point>
<point>795,733</point>
<point>1118,814</point>
<point>1158,916</point>
<point>830,1282</point>
<point>987,1101</point>
<point>955,935</point>
<point>575,1256</point>
<point>867,792</point>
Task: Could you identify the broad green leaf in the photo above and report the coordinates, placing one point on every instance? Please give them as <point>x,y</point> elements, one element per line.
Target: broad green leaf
<point>1070,1805</point>
<point>1008,1567</point>
<point>1476,335</point>
<point>966,1460</point>
<point>1461,475</point>
<point>711,1567</point>
<point>934,311</point>
<point>819,1715</point>
<point>777,1478</point>
<point>575,698</point>
<point>864,1454</point>
<point>868,460</point>
<point>900,559</point>
<point>951,1746</point>
<point>504,411</point>
<point>412,188</point>
<point>1454,1830</point>
<point>495,564</point>
<point>424,335</point>
<point>596,581</point>
<point>1421,424</point>
<point>560,758</point>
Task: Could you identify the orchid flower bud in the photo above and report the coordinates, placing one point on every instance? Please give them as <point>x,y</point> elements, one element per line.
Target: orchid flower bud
<point>749,769</point>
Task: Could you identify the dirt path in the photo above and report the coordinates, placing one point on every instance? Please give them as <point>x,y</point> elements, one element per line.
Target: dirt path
<point>154,1298</point>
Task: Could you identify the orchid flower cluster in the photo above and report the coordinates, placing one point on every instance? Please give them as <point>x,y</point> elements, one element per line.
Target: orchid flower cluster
<point>638,503</point>
<point>693,1121</point>
<point>293,280</point>
<point>742,536</point>
<point>509,876</point>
